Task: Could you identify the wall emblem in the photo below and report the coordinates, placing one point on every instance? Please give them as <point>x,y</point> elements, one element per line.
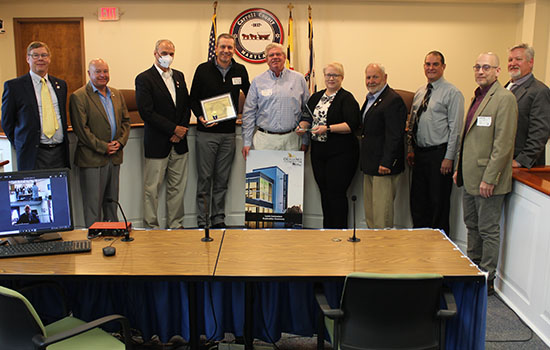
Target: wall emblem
<point>253,29</point>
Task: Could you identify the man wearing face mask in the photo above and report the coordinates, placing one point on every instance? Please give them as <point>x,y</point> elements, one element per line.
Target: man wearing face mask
<point>164,105</point>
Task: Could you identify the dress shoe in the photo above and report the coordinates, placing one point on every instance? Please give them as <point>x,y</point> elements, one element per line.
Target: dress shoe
<point>219,225</point>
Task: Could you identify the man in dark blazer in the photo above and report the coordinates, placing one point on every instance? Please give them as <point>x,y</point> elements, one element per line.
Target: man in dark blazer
<point>100,120</point>
<point>384,116</point>
<point>35,119</point>
<point>484,163</point>
<point>533,98</point>
<point>163,103</point>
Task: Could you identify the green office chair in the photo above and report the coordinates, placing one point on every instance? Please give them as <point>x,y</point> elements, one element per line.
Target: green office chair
<point>21,329</point>
<point>379,311</point>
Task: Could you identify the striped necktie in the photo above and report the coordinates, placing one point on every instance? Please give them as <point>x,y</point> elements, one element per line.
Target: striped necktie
<point>423,107</point>
<point>49,119</point>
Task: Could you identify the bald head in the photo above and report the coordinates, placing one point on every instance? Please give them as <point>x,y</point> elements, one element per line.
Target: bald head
<point>486,69</point>
<point>98,71</point>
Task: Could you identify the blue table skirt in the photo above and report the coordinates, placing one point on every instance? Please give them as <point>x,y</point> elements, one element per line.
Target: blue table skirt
<point>161,308</point>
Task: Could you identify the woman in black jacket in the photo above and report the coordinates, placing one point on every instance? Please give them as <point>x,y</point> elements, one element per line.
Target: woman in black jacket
<point>332,118</point>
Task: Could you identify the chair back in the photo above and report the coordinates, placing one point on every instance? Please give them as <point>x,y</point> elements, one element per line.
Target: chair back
<point>390,311</point>
<point>19,322</point>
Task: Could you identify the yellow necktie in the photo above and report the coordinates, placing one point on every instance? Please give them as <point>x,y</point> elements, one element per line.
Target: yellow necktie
<point>49,119</point>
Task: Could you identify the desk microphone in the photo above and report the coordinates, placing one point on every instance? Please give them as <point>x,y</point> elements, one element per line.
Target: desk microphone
<point>354,238</point>
<point>127,237</point>
<point>206,237</point>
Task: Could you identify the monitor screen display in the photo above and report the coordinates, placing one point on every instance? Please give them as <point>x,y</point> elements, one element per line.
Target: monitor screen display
<point>35,202</point>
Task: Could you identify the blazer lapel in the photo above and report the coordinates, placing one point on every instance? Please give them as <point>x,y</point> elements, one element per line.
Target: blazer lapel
<point>97,101</point>
<point>160,83</point>
<point>178,81</point>
<point>482,105</point>
<point>29,91</point>
<point>116,107</point>
<point>523,89</point>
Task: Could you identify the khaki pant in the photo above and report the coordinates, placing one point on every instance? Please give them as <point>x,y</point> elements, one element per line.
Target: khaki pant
<point>378,194</point>
<point>174,169</point>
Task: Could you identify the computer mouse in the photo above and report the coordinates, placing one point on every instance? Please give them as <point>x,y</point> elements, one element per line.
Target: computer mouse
<point>109,251</point>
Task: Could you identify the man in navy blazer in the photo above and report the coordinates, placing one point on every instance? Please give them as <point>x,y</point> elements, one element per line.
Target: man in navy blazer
<point>163,103</point>
<point>382,146</point>
<point>533,98</point>
<point>22,114</point>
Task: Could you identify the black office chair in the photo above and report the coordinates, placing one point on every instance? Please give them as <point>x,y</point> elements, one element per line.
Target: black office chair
<point>379,311</point>
<point>21,328</point>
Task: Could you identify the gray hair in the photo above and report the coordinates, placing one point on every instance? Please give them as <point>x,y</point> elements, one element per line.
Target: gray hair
<point>272,46</point>
<point>529,51</point>
<point>377,65</point>
<point>157,44</point>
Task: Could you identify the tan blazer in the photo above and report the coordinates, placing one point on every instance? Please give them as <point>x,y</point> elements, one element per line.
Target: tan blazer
<point>487,147</point>
<point>91,126</point>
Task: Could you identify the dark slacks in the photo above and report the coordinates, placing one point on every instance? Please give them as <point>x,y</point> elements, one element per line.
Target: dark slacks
<point>51,158</point>
<point>333,172</point>
<point>430,190</point>
<point>482,219</point>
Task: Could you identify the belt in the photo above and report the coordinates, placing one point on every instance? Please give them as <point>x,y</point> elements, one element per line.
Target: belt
<point>50,145</point>
<point>275,132</point>
<point>430,148</point>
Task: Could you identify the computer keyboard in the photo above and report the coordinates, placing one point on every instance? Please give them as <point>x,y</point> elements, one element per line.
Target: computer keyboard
<point>45,248</point>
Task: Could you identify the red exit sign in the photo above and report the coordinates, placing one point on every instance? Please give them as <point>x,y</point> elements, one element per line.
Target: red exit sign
<point>108,14</point>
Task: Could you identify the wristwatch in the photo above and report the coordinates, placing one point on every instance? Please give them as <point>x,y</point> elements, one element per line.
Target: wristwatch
<point>328,128</point>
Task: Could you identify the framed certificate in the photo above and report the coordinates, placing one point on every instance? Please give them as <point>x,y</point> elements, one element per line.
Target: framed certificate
<point>218,109</point>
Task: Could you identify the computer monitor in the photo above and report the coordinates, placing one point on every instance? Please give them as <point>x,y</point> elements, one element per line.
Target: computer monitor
<point>35,205</point>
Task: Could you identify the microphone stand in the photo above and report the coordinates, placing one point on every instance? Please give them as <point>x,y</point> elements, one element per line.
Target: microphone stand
<point>127,237</point>
<point>206,237</point>
<point>354,238</point>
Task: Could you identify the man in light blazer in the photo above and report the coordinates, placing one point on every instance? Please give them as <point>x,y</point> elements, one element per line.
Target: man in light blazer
<point>382,155</point>
<point>164,105</point>
<point>533,99</point>
<point>484,165</point>
<point>38,144</point>
<point>101,122</point>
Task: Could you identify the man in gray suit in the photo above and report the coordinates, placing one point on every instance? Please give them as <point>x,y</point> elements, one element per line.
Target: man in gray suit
<point>100,120</point>
<point>533,99</point>
<point>484,163</point>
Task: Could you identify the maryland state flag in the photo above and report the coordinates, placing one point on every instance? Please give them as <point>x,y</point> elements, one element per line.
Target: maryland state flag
<point>290,47</point>
<point>212,38</point>
<point>310,75</point>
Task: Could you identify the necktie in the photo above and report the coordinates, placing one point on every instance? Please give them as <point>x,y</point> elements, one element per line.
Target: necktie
<point>423,106</point>
<point>49,119</point>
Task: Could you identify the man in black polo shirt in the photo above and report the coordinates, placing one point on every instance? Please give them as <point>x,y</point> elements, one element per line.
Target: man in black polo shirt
<point>215,145</point>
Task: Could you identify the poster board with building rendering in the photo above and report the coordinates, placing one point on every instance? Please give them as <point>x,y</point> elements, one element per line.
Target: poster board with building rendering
<point>274,189</point>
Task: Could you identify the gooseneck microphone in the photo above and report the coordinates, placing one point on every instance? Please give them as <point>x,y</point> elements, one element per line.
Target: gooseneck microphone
<point>127,237</point>
<point>354,238</point>
<point>206,237</point>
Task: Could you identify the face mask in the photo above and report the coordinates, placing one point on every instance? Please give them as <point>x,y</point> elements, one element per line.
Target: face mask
<point>165,61</point>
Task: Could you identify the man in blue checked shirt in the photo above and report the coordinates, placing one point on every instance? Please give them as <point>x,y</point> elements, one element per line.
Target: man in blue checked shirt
<point>273,106</point>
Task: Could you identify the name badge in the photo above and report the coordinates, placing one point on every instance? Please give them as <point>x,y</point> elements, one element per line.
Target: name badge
<point>266,92</point>
<point>237,81</point>
<point>484,121</point>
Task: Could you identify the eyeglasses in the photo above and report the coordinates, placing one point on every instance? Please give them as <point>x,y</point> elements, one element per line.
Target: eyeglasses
<point>484,68</point>
<point>36,56</point>
<point>333,76</point>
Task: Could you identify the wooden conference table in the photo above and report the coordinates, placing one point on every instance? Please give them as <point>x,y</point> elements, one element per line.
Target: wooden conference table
<point>252,255</point>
